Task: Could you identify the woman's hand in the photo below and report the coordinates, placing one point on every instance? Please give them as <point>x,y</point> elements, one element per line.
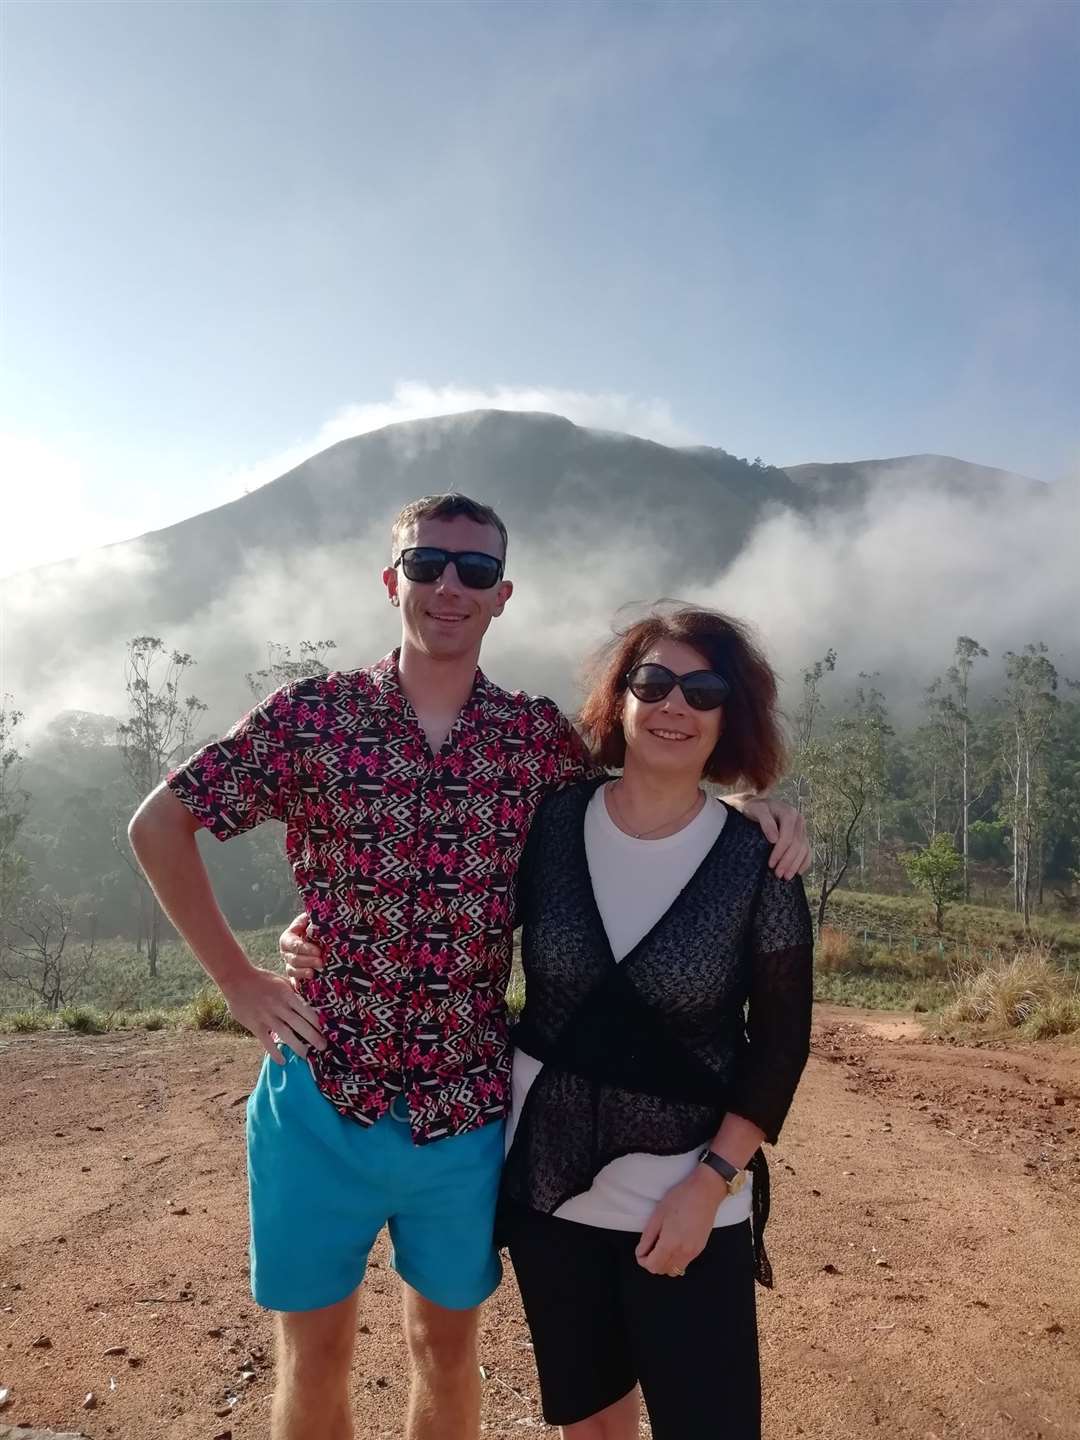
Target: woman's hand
<point>302,956</point>
<point>680,1226</point>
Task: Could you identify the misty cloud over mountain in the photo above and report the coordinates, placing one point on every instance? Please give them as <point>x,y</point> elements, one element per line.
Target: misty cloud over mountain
<point>887,561</point>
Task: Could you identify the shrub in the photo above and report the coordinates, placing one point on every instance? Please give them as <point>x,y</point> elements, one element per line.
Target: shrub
<point>151,1020</point>
<point>208,1011</point>
<point>81,1019</point>
<point>936,871</point>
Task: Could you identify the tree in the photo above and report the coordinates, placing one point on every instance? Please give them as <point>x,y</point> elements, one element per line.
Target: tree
<point>1028,728</point>
<point>959,675</point>
<point>39,957</point>
<point>870,711</point>
<point>281,668</point>
<point>936,870</point>
<point>845,773</point>
<point>806,718</point>
<point>14,808</point>
<point>932,754</point>
<point>1060,856</point>
<point>157,731</point>
<point>949,703</point>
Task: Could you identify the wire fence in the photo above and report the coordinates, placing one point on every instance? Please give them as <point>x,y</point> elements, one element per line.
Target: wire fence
<point>905,942</point>
<point>946,947</point>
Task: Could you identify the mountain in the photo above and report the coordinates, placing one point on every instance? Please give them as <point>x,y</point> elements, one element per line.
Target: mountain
<point>847,482</point>
<point>596,519</point>
<point>539,471</point>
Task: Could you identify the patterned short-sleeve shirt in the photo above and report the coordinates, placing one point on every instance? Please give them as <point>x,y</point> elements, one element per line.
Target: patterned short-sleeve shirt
<point>407,864</point>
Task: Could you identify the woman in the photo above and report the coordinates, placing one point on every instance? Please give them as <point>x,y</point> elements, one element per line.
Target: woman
<point>635,1191</point>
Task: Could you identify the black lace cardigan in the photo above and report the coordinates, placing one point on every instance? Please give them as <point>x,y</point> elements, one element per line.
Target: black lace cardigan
<point>708,1013</point>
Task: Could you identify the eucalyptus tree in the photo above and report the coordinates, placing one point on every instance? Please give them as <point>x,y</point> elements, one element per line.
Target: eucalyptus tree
<point>282,666</point>
<point>1028,728</point>
<point>14,808</point>
<point>157,732</point>
<point>845,769</point>
<point>806,718</point>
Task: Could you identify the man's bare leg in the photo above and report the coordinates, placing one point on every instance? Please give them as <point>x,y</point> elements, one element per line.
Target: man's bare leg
<point>444,1402</point>
<point>314,1358</point>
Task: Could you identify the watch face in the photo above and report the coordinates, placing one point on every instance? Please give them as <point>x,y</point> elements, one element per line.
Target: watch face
<point>734,1186</point>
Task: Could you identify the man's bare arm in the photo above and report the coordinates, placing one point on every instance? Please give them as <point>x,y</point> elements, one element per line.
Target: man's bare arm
<point>162,834</point>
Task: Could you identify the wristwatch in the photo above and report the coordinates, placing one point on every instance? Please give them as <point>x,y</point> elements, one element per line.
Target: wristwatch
<point>734,1178</point>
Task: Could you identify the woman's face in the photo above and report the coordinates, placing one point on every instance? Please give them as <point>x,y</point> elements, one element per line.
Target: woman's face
<point>669,735</point>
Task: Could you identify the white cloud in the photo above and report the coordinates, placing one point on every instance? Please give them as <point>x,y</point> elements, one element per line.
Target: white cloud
<point>890,582</point>
<point>418,400</point>
<point>49,512</point>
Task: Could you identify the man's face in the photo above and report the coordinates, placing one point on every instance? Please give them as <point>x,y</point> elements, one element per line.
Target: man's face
<point>446,619</point>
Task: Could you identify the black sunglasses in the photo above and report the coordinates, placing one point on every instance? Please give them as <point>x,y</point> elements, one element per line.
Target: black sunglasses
<point>702,689</point>
<point>423,564</point>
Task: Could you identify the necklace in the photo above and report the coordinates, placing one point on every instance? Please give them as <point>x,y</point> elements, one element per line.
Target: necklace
<point>644,834</point>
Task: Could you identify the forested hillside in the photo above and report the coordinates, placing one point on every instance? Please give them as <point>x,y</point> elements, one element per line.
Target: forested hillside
<point>919,611</point>
<point>978,800</point>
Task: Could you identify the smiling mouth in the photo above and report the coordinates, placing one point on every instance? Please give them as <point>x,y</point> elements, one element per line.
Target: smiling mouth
<point>670,735</point>
<point>448,619</point>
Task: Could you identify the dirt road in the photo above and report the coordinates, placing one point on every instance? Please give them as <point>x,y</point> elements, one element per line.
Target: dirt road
<point>925,1236</point>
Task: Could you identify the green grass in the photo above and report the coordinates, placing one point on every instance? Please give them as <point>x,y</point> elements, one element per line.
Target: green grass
<point>1053,1019</point>
<point>81,1018</point>
<point>26,1022</point>
<point>882,991</point>
<point>977,926</point>
<point>120,982</point>
<point>121,994</point>
<point>206,1012</point>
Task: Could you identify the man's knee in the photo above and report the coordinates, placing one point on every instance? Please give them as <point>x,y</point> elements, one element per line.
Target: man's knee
<point>439,1340</point>
<point>315,1347</point>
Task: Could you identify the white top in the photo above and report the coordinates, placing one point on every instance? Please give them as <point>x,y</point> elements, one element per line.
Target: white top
<point>635,883</point>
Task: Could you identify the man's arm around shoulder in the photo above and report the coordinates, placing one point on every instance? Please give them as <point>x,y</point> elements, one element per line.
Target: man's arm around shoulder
<point>162,835</point>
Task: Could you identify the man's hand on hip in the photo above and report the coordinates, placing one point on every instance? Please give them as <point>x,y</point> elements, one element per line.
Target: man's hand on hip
<point>270,1008</point>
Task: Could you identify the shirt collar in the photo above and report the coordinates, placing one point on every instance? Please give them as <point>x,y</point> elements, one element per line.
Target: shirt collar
<point>386,696</point>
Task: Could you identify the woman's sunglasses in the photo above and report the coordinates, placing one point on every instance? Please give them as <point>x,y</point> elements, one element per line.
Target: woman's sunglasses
<point>702,689</point>
<point>423,564</point>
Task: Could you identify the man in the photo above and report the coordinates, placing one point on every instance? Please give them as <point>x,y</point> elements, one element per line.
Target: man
<point>407,790</point>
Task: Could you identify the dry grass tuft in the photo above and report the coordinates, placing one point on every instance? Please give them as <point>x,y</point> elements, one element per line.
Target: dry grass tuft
<point>1028,992</point>
<point>208,1011</point>
<point>834,951</point>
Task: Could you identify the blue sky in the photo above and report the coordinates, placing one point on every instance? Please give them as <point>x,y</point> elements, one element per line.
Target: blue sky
<point>232,232</point>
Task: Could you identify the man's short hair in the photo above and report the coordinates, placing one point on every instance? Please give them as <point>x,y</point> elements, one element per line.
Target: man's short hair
<point>444,507</point>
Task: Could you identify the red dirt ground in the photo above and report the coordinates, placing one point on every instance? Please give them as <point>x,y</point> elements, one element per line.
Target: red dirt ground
<point>925,1236</point>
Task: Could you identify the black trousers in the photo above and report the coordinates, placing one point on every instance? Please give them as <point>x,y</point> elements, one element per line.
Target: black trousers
<point>601,1324</point>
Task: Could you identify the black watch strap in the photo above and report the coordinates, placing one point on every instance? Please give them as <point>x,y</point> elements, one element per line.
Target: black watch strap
<point>719,1164</point>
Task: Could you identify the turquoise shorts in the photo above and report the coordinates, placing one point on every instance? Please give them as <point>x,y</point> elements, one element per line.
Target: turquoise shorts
<point>321,1188</point>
